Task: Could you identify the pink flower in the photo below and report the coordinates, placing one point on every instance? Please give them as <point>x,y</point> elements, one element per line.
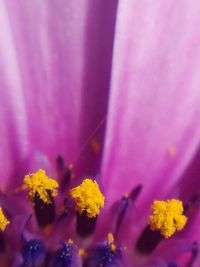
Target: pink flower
<point>113,87</point>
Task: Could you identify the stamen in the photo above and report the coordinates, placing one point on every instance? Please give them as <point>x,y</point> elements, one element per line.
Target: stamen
<point>3,220</point>
<point>45,213</point>
<point>167,217</point>
<point>88,198</point>
<point>40,184</point>
<point>148,241</point>
<point>111,242</point>
<point>3,224</point>
<point>42,189</point>
<point>2,242</point>
<point>85,226</point>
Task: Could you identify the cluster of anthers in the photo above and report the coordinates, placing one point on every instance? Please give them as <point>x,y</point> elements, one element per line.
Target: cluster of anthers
<point>87,200</point>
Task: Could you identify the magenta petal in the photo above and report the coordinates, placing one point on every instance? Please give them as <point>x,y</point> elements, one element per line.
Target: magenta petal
<point>154,101</point>
<point>53,69</point>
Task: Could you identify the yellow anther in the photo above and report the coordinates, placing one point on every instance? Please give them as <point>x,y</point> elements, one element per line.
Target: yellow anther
<point>111,242</point>
<point>110,238</point>
<point>167,217</point>
<point>3,221</point>
<point>39,183</point>
<point>88,198</point>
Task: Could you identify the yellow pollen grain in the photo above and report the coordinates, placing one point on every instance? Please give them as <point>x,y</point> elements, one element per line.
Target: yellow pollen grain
<point>39,183</point>
<point>88,197</point>
<point>111,242</point>
<point>3,220</point>
<point>167,217</point>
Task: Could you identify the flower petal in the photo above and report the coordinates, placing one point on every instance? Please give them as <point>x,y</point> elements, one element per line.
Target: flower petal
<point>54,71</point>
<point>153,129</point>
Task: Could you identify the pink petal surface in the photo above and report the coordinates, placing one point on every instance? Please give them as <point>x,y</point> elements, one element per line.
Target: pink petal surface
<point>55,68</point>
<point>154,99</point>
<point>48,79</point>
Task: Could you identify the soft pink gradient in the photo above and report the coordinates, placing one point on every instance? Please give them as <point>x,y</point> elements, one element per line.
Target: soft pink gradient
<point>54,69</point>
<point>154,98</point>
<point>68,68</point>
